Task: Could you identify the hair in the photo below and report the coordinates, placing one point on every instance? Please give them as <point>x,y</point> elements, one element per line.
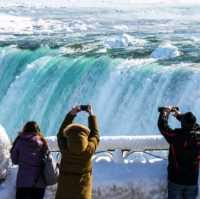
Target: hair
<point>32,127</point>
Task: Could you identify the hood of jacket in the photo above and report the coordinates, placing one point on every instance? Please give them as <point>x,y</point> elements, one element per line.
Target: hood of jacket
<point>31,138</point>
<point>77,138</point>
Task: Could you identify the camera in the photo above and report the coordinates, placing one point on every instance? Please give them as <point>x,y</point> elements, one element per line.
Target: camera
<point>173,109</point>
<point>84,107</point>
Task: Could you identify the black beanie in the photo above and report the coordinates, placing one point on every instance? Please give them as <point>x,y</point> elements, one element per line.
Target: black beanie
<point>188,119</point>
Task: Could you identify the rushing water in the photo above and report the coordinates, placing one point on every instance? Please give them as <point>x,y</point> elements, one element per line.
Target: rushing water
<point>125,61</point>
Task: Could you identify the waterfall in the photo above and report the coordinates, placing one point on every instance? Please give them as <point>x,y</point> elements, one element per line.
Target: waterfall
<point>43,85</point>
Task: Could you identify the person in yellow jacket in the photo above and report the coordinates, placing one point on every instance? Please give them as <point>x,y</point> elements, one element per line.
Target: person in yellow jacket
<point>77,144</point>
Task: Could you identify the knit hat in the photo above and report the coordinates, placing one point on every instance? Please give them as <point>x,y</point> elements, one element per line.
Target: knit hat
<point>188,120</point>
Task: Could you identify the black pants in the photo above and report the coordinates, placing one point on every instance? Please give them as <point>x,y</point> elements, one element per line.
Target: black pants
<point>30,193</point>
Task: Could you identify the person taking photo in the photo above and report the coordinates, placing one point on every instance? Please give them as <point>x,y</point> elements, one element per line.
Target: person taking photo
<point>184,153</point>
<point>77,144</point>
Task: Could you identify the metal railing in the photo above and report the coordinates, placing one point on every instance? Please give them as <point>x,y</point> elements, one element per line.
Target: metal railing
<point>120,148</point>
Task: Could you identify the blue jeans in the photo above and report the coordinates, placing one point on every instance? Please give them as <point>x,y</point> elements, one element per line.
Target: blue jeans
<point>176,191</point>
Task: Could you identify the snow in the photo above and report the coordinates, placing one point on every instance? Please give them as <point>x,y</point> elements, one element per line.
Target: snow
<point>7,188</point>
<point>4,152</point>
<point>133,143</point>
<point>117,174</point>
<point>130,180</point>
<point>112,180</point>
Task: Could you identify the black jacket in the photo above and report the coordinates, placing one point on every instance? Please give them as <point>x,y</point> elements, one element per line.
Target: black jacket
<point>184,152</point>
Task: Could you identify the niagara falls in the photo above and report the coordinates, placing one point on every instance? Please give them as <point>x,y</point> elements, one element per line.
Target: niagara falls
<point>126,58</point>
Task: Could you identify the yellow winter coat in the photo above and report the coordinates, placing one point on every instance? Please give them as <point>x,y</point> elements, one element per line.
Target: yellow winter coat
<point>77,144</point>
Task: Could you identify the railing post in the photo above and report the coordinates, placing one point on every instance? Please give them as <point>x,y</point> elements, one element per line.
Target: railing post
<point>118,156</point>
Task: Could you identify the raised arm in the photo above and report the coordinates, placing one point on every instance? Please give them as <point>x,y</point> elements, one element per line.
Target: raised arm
<point>62,142</point>
<point>164,127</point>
<point>94,138</point>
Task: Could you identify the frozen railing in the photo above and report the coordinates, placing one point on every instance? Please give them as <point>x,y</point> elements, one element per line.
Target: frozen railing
<point>117,148</point>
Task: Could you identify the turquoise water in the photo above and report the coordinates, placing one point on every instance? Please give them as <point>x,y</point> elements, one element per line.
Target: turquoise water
<point>52,59</point>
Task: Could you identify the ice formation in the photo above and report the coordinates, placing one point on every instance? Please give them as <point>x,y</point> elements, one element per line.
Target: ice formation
<point>4,152</point>
<point>122,41</point>
<point>165,51</point>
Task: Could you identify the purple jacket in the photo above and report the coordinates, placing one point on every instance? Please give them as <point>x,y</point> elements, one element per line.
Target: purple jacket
<point>28,153</point>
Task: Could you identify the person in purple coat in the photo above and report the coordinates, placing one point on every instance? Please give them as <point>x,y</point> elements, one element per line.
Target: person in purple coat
<point>28,151</point>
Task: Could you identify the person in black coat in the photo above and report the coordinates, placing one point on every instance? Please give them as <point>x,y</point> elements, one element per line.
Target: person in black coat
<point>184,153</point>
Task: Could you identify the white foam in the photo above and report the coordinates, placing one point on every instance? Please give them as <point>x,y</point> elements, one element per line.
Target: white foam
<point>195,39</point>
<point>131,63</point>
<point>92,3</point>
<point>6,37</point>
<point>122,28</point>
<point>48,26</point>
<point>15,24</point>
<point>82,48</point>
<point>165,51</point>
<point>78,25</point>
<point>122,41</point>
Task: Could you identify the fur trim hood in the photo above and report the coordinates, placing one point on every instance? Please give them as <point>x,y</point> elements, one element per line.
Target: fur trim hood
<point>76,128</point>
<point>77,137</point>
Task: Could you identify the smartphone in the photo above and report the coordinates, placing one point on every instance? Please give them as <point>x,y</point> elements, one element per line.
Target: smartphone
<point>84,107</point>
